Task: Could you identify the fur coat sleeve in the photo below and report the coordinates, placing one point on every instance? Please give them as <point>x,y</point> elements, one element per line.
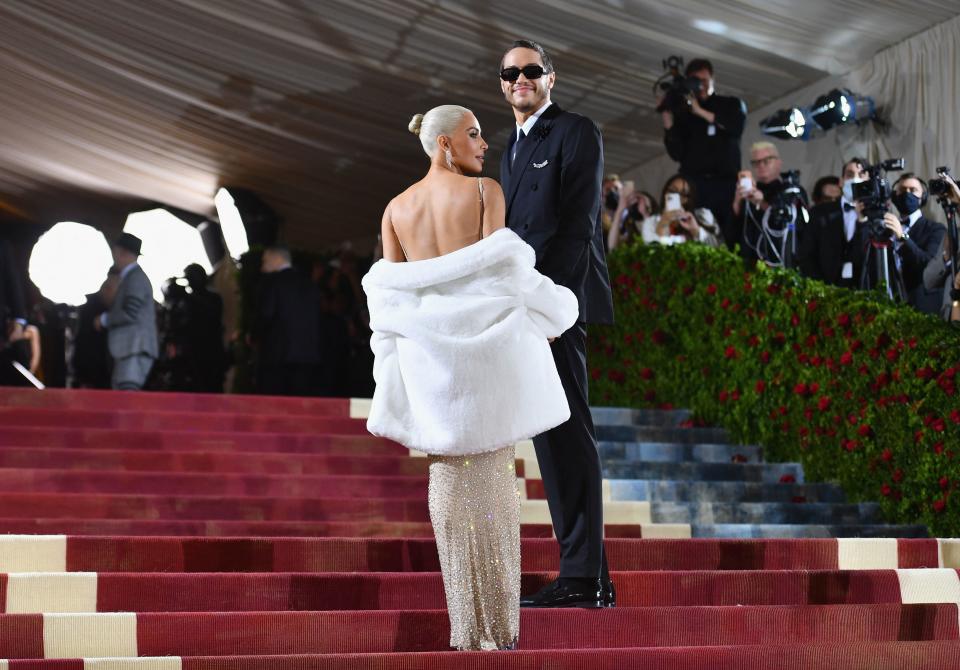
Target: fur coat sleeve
<point>462,362</point>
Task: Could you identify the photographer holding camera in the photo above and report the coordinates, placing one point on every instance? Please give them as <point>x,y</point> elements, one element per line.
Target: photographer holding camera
<point>832,247</point>
<point>703,134</point>
<point>771,205</point>
<point>941,272</point>
<point>916,240</point>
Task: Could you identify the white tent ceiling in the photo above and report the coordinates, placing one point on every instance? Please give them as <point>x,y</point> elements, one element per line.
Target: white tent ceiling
<point>108,104</point>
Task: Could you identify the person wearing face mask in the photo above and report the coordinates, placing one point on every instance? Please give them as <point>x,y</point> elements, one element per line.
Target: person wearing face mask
<point>916,240</point>
<point>680,219</point>
<point>833,245</point>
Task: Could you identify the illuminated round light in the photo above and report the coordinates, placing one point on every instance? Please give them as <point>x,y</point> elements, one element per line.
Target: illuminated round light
<point>169,245</point>
<point>70,261</point>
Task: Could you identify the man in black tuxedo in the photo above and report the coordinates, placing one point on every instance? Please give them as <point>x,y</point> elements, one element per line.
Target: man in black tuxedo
<point>916,240</point>
<point>551,175</point>
<point>833,245</point>
<point>13,318</point>
<point>288,330</point>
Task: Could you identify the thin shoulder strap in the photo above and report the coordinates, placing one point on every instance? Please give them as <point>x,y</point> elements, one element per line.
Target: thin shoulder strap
<point>480,186</point>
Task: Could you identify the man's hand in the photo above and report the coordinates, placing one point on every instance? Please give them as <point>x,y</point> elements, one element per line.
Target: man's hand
<point>954,194</point>
<point>688,222</point>
<point>696,109</point>
<point>892,223</point>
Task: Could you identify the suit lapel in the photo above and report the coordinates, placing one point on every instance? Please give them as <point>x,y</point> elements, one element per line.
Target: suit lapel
<point>530,144</point>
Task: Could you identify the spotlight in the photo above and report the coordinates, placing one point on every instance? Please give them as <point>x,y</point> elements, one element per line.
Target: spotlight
<point>69,261</point>
<point>787,124</point>
<point>231,223</point>
<point>840,106</point>
<point>169,245</point>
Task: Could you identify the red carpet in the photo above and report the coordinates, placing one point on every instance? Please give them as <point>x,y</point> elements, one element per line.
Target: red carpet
<point>252,533</point>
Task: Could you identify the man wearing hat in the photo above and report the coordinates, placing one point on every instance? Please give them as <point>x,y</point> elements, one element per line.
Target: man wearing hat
<point>131,322</point>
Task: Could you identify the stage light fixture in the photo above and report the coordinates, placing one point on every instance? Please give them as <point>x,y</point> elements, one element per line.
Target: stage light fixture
<point>787,124</point>
<point>69,261</point>
<point>231,223</point>
<point>169,245</point>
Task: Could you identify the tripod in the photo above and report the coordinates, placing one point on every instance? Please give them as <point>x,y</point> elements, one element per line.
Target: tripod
<point>879,257</point>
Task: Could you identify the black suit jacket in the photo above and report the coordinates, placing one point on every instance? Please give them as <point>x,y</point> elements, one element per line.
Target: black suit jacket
<point>923,243</point>
<point>11,292</point>
<point>822,246</point>
<point>553,203</point>
<point>289,319</point>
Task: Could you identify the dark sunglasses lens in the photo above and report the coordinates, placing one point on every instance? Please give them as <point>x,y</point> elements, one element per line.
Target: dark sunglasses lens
<point>510,73</point>
<point>533,72</point>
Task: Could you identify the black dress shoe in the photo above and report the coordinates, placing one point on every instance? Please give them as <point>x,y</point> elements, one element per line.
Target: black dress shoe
<point>609,595</point>
<point>566,593</point>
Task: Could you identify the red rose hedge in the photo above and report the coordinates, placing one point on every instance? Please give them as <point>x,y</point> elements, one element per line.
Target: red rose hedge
<point>862,392</point>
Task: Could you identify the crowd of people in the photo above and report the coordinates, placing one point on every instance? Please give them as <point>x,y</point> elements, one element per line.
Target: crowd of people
<point>768,215</point>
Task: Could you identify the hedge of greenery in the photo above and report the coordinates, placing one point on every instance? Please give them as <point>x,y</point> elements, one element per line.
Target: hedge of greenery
<point>861,391</point>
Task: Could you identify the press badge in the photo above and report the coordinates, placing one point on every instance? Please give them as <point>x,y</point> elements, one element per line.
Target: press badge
<point>847,271</point>
<point>711,130</point>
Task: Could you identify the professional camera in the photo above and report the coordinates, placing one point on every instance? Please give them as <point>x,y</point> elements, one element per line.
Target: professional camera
<point>940,187</point>
<point>783,196</point>
<point>874,194</point>
<point>675,86</point>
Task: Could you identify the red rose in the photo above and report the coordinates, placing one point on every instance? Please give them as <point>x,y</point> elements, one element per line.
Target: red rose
<point>828,332</point>
<point>725,303</point>
<point>892,355</point>
<point>850,445</point>
<point>723,396</point>
<point>846,358</point>
<point>765,358</point>
<point>955,416</point>
<point>944,483</point>
<point>843,320</point>
<point>658,337</point>
<point>794,320</point>
<point>730,352</point>
<point>885,490</point>
<point>712,289</point>
<point>646,373</point>
<point>773,289</point>
<point>939,505</point>
<point>735,395</point>
<point>939,425</point>
<point>814,387</point>
<point>804,431</point>
<point>760,386</point>
<point>865,430</point>
<point>938,448</point>
<point>824,403</point>
<point>898,475</point>
<point>918,436</point>
<point>595,374</point>
<point>925,373</point>
<point>747,287</point>
<point>788,479</point>
<point>887,455</point>
<point>812,306</point>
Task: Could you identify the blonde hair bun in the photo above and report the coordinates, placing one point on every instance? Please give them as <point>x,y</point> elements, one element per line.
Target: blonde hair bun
<point>415,123</point>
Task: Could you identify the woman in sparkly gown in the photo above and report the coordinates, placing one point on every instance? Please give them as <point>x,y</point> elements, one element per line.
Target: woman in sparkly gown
<point>461,322</point>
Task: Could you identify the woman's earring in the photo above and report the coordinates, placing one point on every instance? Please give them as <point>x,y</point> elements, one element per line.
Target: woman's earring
<point>449,157</point>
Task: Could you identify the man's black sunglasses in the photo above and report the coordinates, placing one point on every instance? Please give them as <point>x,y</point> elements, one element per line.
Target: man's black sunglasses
<point>529,71</point>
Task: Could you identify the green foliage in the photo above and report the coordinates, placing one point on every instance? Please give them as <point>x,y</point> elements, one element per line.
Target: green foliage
<point>861,391</point>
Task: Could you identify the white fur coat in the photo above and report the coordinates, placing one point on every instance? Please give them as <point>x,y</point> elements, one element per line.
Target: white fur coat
<point>462,363</point>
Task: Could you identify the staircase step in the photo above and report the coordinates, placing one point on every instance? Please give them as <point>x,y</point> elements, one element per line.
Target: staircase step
<point>77,592</point>
<point>189,634</point>
<point>720,491</point>
<point>675,453</point>
<point>937,655</point>
<point>198,421</point>
<point>732,530</point>
<point>625,416</point>
<point>51,553</point>
<point>769,473</point>
<point>765,513</point>
<point>662,434</point>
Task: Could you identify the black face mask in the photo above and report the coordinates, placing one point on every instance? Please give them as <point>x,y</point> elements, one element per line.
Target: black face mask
<point>612,200</point>
<point>906,203</point>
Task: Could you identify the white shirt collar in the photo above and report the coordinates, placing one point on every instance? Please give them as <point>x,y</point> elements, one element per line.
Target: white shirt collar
<point>912,219</point>
<point>532,121</point>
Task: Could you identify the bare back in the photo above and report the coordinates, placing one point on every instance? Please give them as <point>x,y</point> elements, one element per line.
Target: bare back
<point>440,214</point>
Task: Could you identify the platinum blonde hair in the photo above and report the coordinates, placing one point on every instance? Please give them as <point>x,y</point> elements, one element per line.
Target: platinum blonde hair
<point>760,146</point>
<point>442,120</point>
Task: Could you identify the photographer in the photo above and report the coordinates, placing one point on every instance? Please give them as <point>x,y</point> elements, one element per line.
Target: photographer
<point>634,207</point>
<point>940,272</point>
<point>768,202</point>
<point>916,240</point>
<point>832,246</point>
<point>703,134</point>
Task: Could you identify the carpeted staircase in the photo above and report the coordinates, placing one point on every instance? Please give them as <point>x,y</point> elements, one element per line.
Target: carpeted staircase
<point>224,532</point>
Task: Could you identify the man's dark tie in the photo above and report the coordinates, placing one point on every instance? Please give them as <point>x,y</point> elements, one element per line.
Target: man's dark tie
<point>516,146</point>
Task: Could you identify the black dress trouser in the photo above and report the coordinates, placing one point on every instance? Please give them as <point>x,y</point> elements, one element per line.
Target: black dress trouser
<point>569,463</point>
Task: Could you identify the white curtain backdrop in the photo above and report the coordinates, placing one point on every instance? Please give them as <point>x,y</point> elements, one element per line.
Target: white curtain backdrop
<point>916,86</point>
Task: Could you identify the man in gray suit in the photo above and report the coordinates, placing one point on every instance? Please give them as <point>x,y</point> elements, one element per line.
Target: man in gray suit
<point>131,322</point>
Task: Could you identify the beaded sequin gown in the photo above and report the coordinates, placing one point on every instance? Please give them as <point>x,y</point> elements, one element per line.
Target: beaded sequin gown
<point>475,510</point>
